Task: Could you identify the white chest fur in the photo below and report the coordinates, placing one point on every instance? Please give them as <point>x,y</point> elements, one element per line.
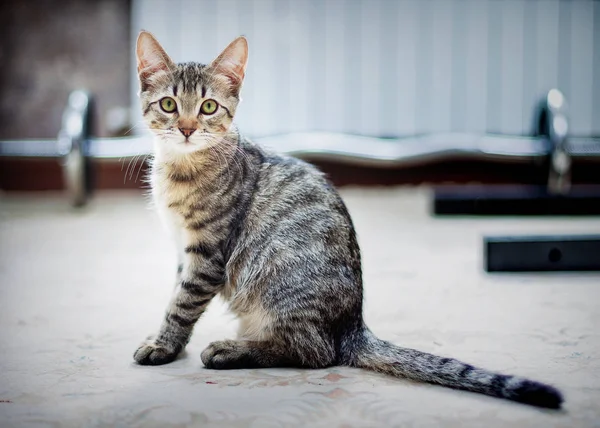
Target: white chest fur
<point>171,220</point>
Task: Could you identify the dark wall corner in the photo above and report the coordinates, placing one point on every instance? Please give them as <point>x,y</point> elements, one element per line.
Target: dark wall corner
<point>50,47</point>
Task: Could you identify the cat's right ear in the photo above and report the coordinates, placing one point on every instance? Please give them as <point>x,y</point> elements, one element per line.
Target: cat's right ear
<point>153,63</point>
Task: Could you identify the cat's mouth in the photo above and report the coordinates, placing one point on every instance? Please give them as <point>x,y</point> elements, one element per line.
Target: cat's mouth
<point>201,135</point>
<point>199,140</point>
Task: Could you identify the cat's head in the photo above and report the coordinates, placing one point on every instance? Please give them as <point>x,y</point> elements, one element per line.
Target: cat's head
<point>189,106</point>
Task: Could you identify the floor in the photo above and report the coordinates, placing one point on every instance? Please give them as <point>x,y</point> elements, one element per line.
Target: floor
<point>80,289</point>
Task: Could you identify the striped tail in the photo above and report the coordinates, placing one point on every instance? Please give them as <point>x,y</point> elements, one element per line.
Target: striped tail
<point>372,353</point>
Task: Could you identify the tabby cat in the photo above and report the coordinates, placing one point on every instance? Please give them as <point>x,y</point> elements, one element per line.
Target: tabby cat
<point>270,235</point>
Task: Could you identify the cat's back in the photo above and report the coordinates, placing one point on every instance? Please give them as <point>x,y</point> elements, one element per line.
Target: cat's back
<point>286,184</point>
<point>295,201</point>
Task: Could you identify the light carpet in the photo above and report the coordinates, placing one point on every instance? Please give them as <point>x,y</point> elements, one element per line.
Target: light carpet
<point>79,290</point>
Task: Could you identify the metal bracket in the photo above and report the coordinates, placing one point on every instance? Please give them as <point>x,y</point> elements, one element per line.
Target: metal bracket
<point>72,146</point>
<point>557,197</point>
<point>75,149</point>
<point>556,130</point>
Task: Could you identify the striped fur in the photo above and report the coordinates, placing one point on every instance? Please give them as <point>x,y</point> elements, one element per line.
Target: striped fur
<point>272,236</point>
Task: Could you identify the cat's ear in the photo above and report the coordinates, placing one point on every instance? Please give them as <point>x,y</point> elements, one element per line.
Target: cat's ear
<point>152,60</point>
<point>232,62</point>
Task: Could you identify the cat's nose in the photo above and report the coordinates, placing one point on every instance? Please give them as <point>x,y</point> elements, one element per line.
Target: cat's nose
<point>187,131</point>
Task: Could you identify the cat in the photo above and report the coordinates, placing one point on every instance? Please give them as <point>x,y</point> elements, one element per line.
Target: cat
<point>272,236</point>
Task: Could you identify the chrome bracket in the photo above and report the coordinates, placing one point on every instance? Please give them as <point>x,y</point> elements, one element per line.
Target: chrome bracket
<point>557,129</point>
<point>72,146</point>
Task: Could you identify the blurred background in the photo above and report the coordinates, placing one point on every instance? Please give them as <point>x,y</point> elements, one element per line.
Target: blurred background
<point>49,48</point>
<point>378,68</point>
<point>394,68</point>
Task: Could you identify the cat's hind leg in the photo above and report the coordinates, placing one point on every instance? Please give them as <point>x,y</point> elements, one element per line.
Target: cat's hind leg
<point>278,351</point>
<point>244,354</point>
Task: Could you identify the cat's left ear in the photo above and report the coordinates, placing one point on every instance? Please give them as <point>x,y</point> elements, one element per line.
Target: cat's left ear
<point>152,60</point>
<point>232,62</point>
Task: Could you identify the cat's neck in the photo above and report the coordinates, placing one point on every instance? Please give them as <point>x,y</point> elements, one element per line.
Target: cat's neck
<point>204,164</point>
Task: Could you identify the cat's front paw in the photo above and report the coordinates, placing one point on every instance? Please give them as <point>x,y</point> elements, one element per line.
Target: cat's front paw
<point>151,353</point>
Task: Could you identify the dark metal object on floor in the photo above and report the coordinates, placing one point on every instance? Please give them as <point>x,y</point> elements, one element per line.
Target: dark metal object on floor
<point>516,200</point>
<point>558,197</point>
<point>542,253</point>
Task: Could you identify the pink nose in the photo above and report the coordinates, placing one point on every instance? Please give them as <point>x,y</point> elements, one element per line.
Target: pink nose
<point>187,131</point>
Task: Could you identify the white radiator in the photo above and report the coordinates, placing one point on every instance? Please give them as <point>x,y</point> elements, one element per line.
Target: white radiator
<point>393,68</point>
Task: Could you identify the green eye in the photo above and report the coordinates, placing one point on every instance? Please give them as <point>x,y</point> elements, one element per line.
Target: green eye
<point>208,107</point>
<point>168,104</point>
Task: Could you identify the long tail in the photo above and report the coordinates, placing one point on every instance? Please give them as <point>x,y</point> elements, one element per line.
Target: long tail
<point>365,350</point>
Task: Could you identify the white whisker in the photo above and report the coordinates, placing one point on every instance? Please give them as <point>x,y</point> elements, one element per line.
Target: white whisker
<point>127,170</point>
<point>141,165</point>
<point>135,159</point>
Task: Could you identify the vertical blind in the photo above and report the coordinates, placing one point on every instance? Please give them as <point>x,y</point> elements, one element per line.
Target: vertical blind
<point>393,68</point>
